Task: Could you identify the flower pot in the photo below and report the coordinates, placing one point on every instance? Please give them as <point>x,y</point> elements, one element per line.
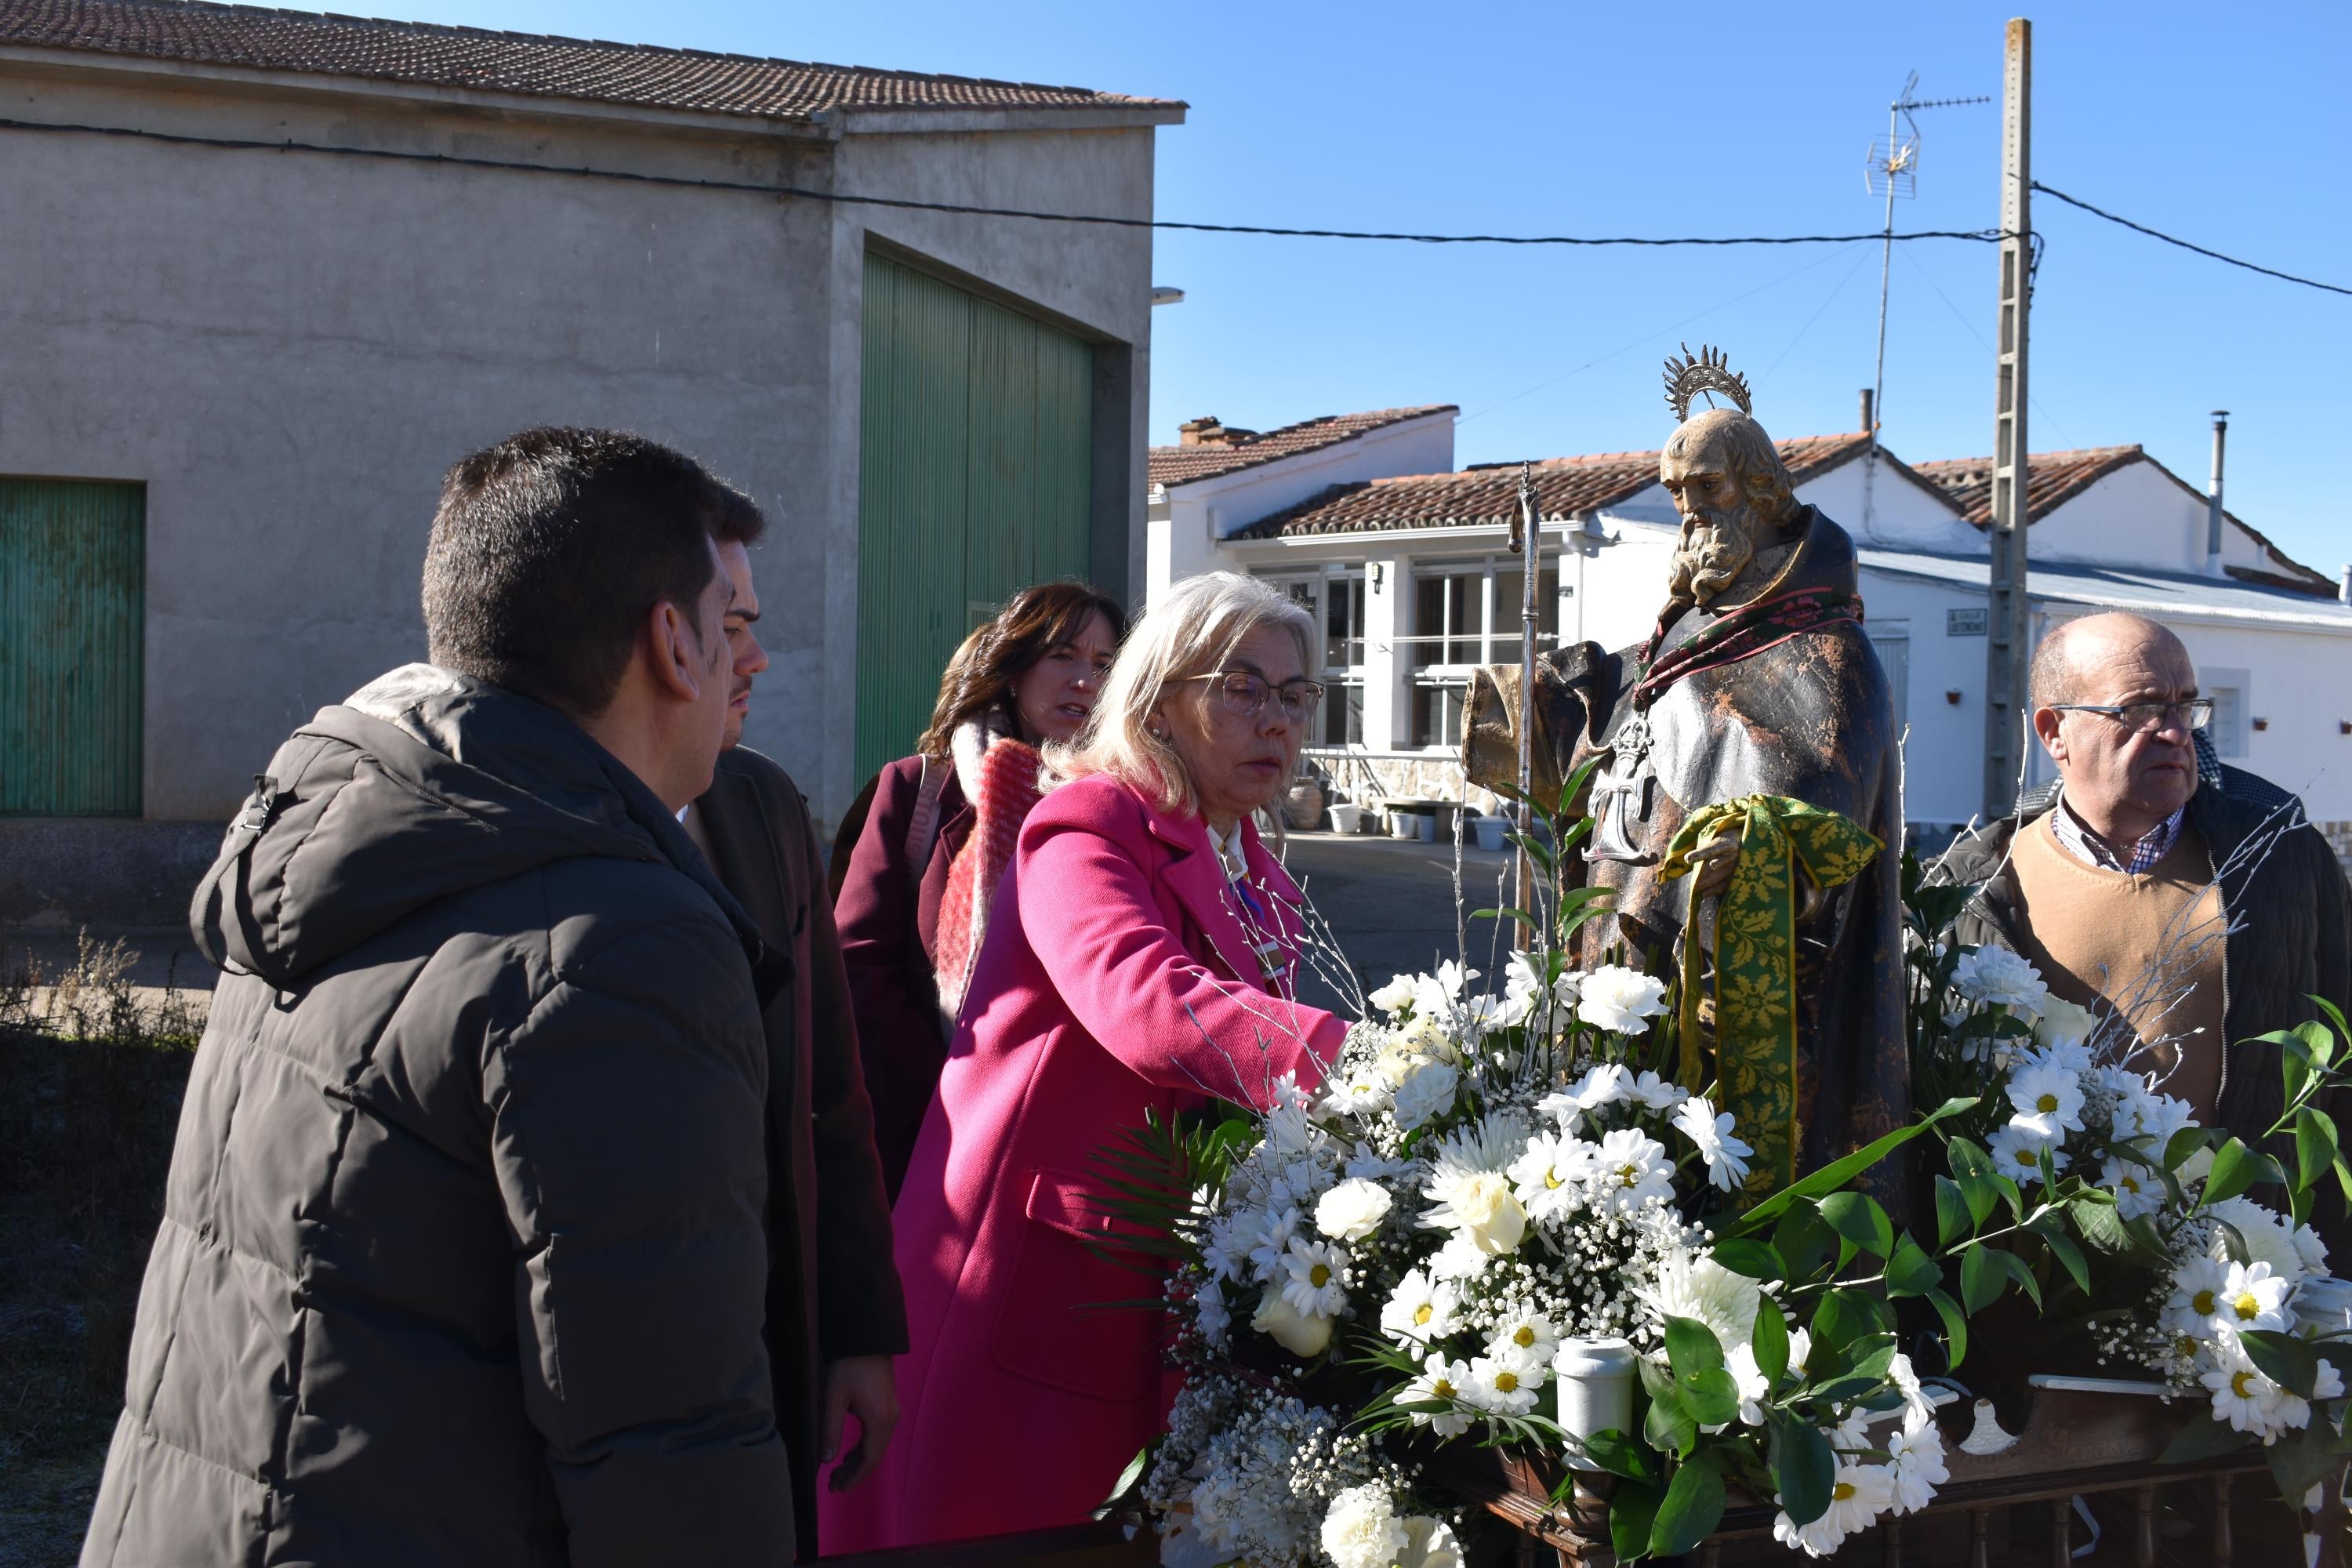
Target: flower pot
<point>1400,825</point>
<point>1346,816</point>
<point>1424,826</point>
<point>1302,807</point>
<point>1491,830</point>
<point>1595,1384</point>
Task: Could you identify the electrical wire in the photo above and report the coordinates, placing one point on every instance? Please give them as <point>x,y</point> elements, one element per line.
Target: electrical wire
<point>1981,236</point>
<point>2170,239</point>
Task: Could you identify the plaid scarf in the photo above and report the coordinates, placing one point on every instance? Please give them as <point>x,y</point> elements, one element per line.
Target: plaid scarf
<point>1740,634</point>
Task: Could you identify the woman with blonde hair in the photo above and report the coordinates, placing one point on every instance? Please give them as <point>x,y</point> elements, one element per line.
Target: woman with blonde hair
<point>1141,960</point>
<point>918,858</point>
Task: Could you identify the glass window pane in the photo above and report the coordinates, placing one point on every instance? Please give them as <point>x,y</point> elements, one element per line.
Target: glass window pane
<point>1428,621</point>
<point>1462,617</point>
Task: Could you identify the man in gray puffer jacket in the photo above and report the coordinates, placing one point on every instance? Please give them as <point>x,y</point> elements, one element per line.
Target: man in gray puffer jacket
<point>463,1256</point>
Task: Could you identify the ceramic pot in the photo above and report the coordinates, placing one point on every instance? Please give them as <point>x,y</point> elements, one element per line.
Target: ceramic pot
<point>1595,1383</point>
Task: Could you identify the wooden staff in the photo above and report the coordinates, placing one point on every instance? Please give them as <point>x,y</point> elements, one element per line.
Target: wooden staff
<point>1527,543</point>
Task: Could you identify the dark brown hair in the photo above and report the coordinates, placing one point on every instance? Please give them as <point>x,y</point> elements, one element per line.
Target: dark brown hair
<point>550,548</point>
<point>1032,623</point>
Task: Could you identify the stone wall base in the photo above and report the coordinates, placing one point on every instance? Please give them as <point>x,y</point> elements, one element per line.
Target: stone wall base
<point>58,873</point>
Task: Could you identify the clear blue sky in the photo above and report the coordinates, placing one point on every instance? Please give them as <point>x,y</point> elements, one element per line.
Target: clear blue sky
<point>2228,127</point>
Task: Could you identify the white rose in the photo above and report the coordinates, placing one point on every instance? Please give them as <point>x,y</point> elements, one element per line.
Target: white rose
<point>1363,1530</point>
<point>1487,1211</point>
<point>1294,1330</point>
<point>1430,1088</point>
<point>1352,1210</point>
<point>1431,1544</point>
<point>1618,999</point>
<point>1395,996</point>
<point>2062,1021</point>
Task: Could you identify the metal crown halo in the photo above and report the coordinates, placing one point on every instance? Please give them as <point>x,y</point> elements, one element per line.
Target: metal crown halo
<point>1706,371</point>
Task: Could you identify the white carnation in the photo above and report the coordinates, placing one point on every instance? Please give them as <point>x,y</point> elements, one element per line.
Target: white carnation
<point>1352,1210</point>
<point>1427,1090</point>
<point>1995,974</point>
<point>1363,1530</point>
<point>1618,999</point>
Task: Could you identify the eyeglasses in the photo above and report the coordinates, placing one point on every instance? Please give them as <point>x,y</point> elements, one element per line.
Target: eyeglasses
<point>1244,694</point>
<point>2142,717</point>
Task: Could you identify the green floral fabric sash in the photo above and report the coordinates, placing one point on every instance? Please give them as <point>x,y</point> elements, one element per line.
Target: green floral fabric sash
<point>1756,962</point>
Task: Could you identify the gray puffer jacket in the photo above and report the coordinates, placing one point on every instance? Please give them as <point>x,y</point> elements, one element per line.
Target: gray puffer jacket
<point>2289,937</point>
<point>462,1258</point>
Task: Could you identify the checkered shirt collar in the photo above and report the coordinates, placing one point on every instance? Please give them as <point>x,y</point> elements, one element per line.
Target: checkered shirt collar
<point>2092,850</point>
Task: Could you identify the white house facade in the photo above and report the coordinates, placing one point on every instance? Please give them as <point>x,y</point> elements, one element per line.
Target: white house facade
<point>1409,571</point>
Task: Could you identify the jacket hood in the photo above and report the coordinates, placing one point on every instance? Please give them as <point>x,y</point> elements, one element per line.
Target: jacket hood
<point>423,784</point>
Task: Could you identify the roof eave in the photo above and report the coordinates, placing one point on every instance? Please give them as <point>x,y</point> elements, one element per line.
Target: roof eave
<point>900,120</point>
<point>277,81</point>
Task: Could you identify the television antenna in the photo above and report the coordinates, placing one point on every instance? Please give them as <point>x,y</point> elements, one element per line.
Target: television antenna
<point>1891,170</point>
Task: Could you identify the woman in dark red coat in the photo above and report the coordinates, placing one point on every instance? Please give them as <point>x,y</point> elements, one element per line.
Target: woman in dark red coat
<point>917,859</point>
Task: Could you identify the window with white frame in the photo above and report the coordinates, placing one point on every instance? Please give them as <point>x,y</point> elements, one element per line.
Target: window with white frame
<point>1467,613</point>
<point>1334,596</point>
<point>2228,689</point>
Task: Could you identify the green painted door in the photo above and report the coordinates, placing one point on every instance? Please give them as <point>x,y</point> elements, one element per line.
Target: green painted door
<point>975,480</point>
<point>73,570</point>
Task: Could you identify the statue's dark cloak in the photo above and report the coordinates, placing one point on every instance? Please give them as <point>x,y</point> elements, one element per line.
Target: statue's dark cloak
<point>1809,717</point>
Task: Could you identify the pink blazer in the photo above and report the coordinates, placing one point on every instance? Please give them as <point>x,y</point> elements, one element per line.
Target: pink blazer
<point>1116,975</point>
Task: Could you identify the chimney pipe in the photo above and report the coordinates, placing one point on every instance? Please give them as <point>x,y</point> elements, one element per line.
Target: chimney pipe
<point>2344,586</point>
<point>2213,497</point>
<point>1866,426</point>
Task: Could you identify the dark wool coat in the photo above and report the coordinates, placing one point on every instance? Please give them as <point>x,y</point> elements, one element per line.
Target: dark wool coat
<point>2290,939</point>
<point>890,920</point>
<point>465,1255</point>
<point>833,1289</point>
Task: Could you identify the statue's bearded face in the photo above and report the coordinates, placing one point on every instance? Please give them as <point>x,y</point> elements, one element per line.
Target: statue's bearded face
<point>1720,523</point>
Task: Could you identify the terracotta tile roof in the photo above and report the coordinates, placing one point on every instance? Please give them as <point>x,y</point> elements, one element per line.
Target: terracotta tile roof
<point>2052,479</point>
<point>1489,492</point>
<point>1182,465</point>
<point>521,63</point>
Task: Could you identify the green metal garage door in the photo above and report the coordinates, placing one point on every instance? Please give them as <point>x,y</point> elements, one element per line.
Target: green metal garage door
<point>974,480</point>
<point>73,574</point>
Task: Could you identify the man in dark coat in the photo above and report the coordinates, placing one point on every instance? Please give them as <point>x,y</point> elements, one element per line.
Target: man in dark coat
<point>2137,792</point>
<point>835,1314</point>
<point>465,1250</point>
<point>1758,681</point>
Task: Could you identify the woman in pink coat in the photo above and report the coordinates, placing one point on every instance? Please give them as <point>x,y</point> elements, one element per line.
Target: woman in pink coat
<point>1141,957</point>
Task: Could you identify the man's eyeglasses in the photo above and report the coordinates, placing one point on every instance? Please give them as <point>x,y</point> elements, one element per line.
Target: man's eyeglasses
<point>1244,694</point>
<point>2142,717</point>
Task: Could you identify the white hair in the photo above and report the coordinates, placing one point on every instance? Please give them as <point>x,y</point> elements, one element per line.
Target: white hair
<point>1191,629</point>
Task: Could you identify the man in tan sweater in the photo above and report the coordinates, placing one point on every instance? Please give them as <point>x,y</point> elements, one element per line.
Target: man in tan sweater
<point>2152,882</point>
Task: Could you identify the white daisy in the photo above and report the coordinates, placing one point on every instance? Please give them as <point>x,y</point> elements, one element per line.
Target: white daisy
<point>1916,1466</point>
<point>1858,1496</point>
<point>1502,1387</point>
<point>1654,1093</point>
<point>1421,1311</point>
<point>2196,1296</point>
<point>1318,1285</point>
<point>1438,1381</point>
<point>2295,1411</point>
<point>2049,1099</point>
<point>1740,1361</point>
<point>2243,1396</point>
<point>2251,1297</point>
<point>1726,1156</point>
<point>1361,1090</point>
<point>1628,1170</point>
<point>1527,1335</point>
<point>1605,1083</point>
<point>2017,1153</point>
<point>1550,1178</point>
<point>2137,1190</point>
<point>1273,1241</point>
<point>1209,1310</point>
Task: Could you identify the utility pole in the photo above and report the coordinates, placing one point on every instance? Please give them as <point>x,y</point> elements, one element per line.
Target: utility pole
<point>1526,543</point>
<point>2008,654</point>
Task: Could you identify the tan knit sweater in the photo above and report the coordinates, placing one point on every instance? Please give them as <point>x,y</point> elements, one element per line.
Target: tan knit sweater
<point>2095,933</point>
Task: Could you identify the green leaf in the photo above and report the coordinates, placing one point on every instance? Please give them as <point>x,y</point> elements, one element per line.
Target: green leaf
<point>1910,1271</point>
<point>1976,1177</point>
<point>2316,1145</point>
<point>1983,1278</point>
<point>1692,1348</point>
<point>1956,1328</point>
<point>1844,1316</point>
<point>1618,1454</point>
<point>1128,1478</point>
<point>2184,1144</point>
<point>2021,1271</point>
<point>1845,1390</point>
<point>1668,1427</point>
<point>1770,1343</point>
<point>2052,1232</point>
<point>2343,1180</point>
<point>2286,1361</point>
<point>2237,1168</point>
<point>1857,1217</point>
<point>1803,1467</point>
<point>1952,1214</point>
<point>1803,1241</point>
<point>1711,1397</point>
<point>2202,1438</point>
<point>1506,913</point>
<point>2302,1459</point>
<point>1746,1255</point>
<point>1692,1508</point>
<point>1632,1513</point>
<point>2233,1243</point>
<point>1838,1172</point>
